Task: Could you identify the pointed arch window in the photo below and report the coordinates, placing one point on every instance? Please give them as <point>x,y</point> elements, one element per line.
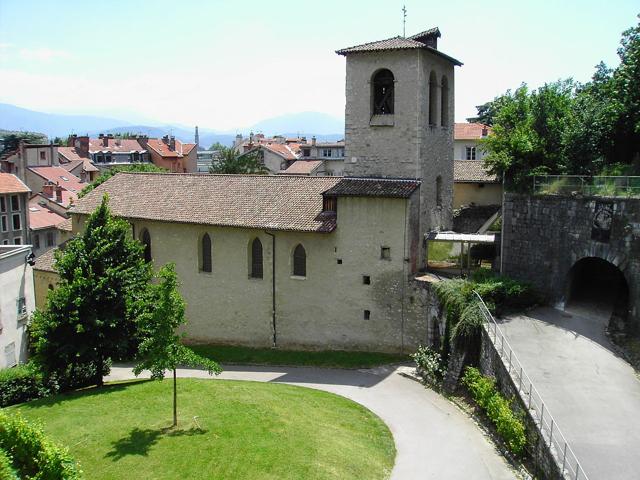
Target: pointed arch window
<point>444,102</point>
<point>145,238</point>
<point>433,98</point>
<point>256,259</point>
<point>383,92</point>
<point>299,261</point>
<point>206,253</point>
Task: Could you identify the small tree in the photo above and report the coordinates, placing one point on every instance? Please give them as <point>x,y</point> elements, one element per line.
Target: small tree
<point>230,162</point>
<point>90,317</point>
<point>160,348</point>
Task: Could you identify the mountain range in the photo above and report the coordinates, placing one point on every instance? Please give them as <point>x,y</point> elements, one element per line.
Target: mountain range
<point>325,127</point>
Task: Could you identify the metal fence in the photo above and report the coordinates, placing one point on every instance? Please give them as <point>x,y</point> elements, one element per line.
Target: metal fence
<point>612,186</point>
<point>548,428</point>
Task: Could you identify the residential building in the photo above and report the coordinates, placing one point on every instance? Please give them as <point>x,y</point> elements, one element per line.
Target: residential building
<point>206,158</point>
<point>170,153</point>
<point>28,155</point>
<point>14,216</point>
<point>473,185</point>
<point>108,150</point>
<point>276,153</point>
<point>75,158</point>
<point>55,182</point>
<point>467,137</point>
<point>17,302</point>
<point>330,153</point>
<point>47,227</point>
<point>313,168</point>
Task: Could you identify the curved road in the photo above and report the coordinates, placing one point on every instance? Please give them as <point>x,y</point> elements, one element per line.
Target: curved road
<point>434,440</point>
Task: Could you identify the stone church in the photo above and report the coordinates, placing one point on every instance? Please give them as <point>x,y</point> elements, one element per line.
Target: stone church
<point>314,262</point>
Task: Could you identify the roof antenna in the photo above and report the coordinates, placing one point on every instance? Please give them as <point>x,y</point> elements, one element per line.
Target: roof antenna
<point>404,21</point>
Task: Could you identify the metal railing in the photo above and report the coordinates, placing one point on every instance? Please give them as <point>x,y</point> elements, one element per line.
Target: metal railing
<point>602,186</point>
<point>565,458</point>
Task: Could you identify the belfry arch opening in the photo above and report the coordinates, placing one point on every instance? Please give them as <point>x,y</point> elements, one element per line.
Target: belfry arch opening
<point>598,287</point>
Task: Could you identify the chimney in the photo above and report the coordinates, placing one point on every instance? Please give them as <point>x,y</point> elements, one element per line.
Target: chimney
<point>105,140</point>
<point>485,131</point>
<point>58,194</point>
<point>165,139</point>
<point>48,190</point>
<point>313,141</point>
<point>143,140</point>
<point>71,141</point>
<point>82,145</point>
<point>172,142</point>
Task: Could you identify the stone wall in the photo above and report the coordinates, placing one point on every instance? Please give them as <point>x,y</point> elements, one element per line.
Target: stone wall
<point>545,235</point>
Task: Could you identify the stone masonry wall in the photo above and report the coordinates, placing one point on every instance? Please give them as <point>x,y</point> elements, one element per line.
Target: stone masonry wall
<point>545,235</point>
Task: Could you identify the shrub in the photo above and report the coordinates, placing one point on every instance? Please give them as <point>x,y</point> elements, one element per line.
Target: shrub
<point>429,364</point>
<point>498,409</point>
<point>6,468</point>
<point>32,454</point>
<point>23,383</point>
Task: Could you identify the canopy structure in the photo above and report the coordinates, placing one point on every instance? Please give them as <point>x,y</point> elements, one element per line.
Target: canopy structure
<point>457,254</point>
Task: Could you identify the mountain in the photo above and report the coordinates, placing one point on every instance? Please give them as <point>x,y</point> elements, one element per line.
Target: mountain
<point>52,124</point>
<point>303,123</point>
<point>207,136</point>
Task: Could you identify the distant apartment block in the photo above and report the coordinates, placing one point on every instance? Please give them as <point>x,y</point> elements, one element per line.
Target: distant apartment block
<point>14,217</point>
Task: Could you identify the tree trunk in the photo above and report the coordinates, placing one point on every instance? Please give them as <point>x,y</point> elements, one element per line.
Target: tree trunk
<point>175,400</point>
<point>99,368</point>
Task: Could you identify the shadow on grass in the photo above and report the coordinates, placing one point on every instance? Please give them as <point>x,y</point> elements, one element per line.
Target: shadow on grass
<point>139,441</point>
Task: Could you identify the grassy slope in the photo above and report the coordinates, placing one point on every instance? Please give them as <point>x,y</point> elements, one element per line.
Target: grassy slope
<point>248,431</point>
<point>268,356</point>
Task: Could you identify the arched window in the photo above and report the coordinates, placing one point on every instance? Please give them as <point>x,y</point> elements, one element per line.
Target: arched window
<point>444,102</point>
<point>145,238</point>
<point>433,98</point>
<point>206,253</point>
<point>256,258</point>
<point>439,191</point>
<point>299,261</point>
<point>383,85</point>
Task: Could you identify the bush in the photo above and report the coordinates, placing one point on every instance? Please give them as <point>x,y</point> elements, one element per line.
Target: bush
<point>429,364</point>
<point>6,468</point>
<point>502,293</point>
<point>498,409</point>
<point>23,383</point>
<point>32,454</point>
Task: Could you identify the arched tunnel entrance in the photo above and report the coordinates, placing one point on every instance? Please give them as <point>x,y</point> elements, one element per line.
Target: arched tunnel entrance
<point>598,288</point>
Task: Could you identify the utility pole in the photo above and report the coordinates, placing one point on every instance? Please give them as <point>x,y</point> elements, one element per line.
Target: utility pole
<point>404,21</point>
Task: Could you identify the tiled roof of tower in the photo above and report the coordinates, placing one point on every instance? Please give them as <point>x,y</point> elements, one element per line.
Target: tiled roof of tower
<point>432,32</point>
<point>9,183</point>
<point>274,202</point>
<point>472,171</point>
<point>470,131</point>
<point>373,187</point>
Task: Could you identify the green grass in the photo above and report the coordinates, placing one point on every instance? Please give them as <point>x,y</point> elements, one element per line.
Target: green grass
<point>268,356</point>
<point>244,430</point>
<point>439,251</point>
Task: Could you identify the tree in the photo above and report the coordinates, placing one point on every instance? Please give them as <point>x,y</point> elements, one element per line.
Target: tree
<point>107,174</point>
<point>217,146</point>
<point>11,139</point>
<point>230,162</point>
<point>90,317</point>
<point>160,348</point>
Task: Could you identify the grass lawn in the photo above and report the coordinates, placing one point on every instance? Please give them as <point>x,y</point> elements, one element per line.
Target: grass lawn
<point>243,430</point>
<point>269,356</point>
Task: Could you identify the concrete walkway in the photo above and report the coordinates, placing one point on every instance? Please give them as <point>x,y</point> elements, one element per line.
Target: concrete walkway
<point>434,440</point>
<point>592,393</point>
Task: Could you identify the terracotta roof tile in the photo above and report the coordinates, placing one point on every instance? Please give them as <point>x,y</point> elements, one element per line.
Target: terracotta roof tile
<point>9,183</point>
<point>41,217</point>
<point>59,175</point>
<point>303,167</point>
<point>373,187</point>
<point>66,225</point>
<point>70,153</point>
<point>122,145</point>
<point>472,171</point>
<point>162,148</point>
<point>470,131</point>
<point>46,261</point>
<point>274,202</point>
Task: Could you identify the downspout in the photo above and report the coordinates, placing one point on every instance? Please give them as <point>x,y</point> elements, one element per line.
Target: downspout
<point>404,275</point>
<point>273,288</point>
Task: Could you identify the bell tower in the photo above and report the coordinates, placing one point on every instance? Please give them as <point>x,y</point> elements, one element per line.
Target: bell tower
<point>399,118</point>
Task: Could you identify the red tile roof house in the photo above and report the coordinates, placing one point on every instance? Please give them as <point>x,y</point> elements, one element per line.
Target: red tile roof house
<point>75,158</point>
<point>108,151</point>
<point>466,137</point>
<point>170,153</point>
<point>14,214</point>
<point>46,226</point>
<point>275,154</point>
<point>55,183</point>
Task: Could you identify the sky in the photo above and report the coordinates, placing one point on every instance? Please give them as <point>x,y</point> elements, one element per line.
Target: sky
<point>227,64</point>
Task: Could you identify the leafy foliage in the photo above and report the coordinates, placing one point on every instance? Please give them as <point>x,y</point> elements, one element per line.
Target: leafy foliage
<point>160,348</point>
<point>216,146</point>
<point>429,363</point>
<point>32,454</point>
<point>510,427</point>
<point>107,174</point>
<point>90,317</point>
<point>232,163</point>
<point>11,139</point>
<point>568,128</point>
<point>23,383</point>
<point>6,468</point>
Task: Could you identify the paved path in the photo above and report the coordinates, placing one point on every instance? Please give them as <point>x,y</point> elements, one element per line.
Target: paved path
<point>592,393</point>
<point>434,440</point>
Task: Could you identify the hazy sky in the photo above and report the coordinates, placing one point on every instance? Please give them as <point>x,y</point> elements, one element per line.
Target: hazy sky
<point>226,64</point>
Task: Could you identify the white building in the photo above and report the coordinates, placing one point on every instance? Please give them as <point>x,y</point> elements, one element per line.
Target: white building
<point>17,302</point>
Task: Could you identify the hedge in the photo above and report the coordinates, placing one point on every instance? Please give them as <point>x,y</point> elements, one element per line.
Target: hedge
<point>498,409</point>
<point>32,455</point>
<point>21,384</point>
<point>6,468</point>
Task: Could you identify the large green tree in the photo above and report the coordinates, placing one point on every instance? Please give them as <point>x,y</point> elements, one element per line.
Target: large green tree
<point>230,162</point>
<point>161,348</point>
<point>89,318</point>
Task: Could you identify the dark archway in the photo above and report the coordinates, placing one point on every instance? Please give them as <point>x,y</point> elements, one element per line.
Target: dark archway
<point>599,286</point>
